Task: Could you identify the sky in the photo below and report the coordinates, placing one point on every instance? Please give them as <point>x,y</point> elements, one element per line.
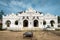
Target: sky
<point>45,6</point>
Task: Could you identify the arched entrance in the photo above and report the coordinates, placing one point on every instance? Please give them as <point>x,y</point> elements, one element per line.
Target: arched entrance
<point>35,23</point>
<point>25,23</point>
<point>8,22</point>
<point>52,22</point>
<point>44,23</point>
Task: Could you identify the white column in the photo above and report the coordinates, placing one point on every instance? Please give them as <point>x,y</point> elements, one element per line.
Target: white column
<point>40,24</point>
<point>30,25</point>
<point>56,23</point>
<point>20,23</point>
<point>12,25</point>
<point>4,25</point>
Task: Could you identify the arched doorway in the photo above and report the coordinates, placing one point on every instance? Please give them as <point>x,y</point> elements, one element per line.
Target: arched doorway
<point>52,22</point>
<point>25,23</point>
<point>44,23</point>
<point>35,23</point>
<point>8,22</point>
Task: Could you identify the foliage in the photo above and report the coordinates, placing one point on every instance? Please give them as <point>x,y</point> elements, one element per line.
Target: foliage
<point>1,13</point>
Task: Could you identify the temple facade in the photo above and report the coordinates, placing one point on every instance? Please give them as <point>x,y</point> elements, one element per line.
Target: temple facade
<point>29,20</point>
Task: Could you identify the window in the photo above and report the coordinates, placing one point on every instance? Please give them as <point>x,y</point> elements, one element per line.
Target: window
<point>36,11</point>
<point>37,17</point>
<point>16,22</point>
<point>23,17</point>
<point>27,17</point>
<point>33,17</point>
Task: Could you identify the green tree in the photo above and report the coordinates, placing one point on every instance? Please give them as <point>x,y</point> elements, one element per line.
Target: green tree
<point>1,13</point>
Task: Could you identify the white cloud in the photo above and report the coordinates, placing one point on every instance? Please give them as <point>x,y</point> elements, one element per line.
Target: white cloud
<point>20,4</point>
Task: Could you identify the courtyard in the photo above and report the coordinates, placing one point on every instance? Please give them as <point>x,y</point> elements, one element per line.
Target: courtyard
<point>37,35</point>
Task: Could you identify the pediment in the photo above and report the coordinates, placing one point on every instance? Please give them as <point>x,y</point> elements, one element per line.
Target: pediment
<point>30,12</point>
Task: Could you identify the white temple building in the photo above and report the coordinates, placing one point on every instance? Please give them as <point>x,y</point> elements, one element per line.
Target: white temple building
<point>29,20</point>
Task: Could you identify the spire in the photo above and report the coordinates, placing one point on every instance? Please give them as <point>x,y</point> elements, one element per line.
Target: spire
<point>30,10</point>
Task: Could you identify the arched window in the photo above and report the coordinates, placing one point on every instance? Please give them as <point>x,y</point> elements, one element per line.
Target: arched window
<point>8,22</point>
<point>37,17</point>
<point>16,22</point>
<point>25,23</point>
<point>23,17</point>
<point>34,17</point>
<point>27,17</point>
<point>35,23</point>
<point>52,22</point>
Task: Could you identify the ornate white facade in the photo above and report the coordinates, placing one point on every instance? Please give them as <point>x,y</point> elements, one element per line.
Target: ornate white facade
<point>29,20</point>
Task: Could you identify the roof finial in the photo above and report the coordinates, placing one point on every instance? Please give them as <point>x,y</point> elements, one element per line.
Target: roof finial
<point>30,8</point>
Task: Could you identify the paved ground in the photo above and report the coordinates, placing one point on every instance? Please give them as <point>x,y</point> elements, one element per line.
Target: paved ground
<point>38,35</point>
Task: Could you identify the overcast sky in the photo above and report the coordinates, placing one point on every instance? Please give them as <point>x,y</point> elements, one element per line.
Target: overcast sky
<point>45,6</point>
